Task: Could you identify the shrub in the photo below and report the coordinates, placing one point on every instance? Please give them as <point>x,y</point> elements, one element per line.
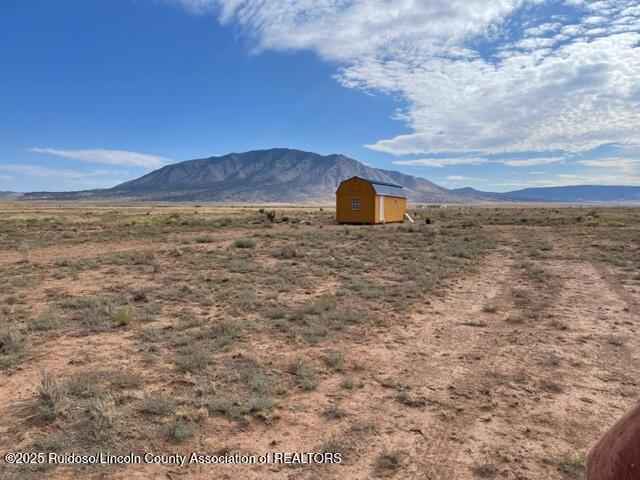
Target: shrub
<point>226,332</point>
<point>11,340</point>
<point>122,316</point>
<point>335,360</point>
<point>615,340</point>
<point>388,462</point>
<point>277,313</point>
<point>484,470</point>
<point>51,397</point>
<point>204,239</point>
<point>551,386</point>
<point>570,464</point>
<point>334,412</point>
<point>82,385</point>
<point>52,442</point>
<point>179,430</point>
<point>489,308</point>
<point>223,403</point>
<point>305,374</point>
<point>192,359</point>
<point>47,321</point>
<point>518,318</point>
<point>125,379</point>
<point>406,399</point>
<point>314,331</point>
<point>158,404</point>
<point>288,251</point>
<point>244,243</point>
<point>102,415</point>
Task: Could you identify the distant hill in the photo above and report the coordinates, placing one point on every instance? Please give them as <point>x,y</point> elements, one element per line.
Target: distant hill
<point>276,175</point>
<point>579,193</point>
<point>283,175</point>
<point>10,195</point>
<point>480,196</point>
<point>571,194</point>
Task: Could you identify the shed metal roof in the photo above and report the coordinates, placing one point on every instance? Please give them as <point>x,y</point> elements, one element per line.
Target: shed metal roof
<point>386,188</point>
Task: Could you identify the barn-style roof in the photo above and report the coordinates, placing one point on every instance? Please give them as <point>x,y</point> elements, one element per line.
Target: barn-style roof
<point>385,188</point>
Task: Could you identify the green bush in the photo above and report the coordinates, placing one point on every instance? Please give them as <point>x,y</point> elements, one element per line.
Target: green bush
<point>244,243</point>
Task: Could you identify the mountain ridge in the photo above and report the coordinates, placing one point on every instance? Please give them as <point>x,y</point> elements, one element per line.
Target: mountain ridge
<point>273,175</point>
<point>284,175</point>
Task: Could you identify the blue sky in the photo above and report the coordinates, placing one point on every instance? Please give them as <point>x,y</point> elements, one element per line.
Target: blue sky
<point>497,94</point>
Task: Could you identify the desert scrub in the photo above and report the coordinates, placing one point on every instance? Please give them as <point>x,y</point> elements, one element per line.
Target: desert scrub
<point>125,380</point>
<point>246,301</point>
<point>188,319</point>
<point>570,464</point>
<point>305,374</point>
<point>83,385</point>
<point>11,340</point>
<point>51,396</point>
<point>122,316</point>
<point>334,412</point>
<point>158,404</point>
<point>51,442</point>
<point>192,359</point>
<point>616,340</point>
<point>277,313</point>
<point>484,470</point>
<point>179,430</point>
<point>410,401</point>
<point>48,320</point>
<point>551,386</point>
<point>313,331</point>
<point>388,462</point>
<point>225,332</point>
<point>335,361</point>
<point>103,419</point>
<point>204,239</point>
<point>102,312</point>
<point>223,403</point>
<point>244,243</point>
<point>287,252</point>
<point>489,308</point>
<point>516,318</point>
<point>475,323</point>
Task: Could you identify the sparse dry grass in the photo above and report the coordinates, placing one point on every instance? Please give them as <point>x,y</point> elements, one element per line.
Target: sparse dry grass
<point>163,326</point>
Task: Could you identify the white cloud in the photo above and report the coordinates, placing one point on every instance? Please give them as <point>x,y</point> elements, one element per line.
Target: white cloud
<point>79,178</point>
<point>109,157</point>
<point>442,162</point>
<point>6,177</point>
<point>618,163</point>
<point>46,172</point>
<point>458,178</point>
<point>529,162</point>
<point>565,84</point>
<point>597,179</point>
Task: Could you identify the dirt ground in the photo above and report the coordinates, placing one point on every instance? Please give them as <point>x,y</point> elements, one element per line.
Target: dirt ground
<point>492,343</point>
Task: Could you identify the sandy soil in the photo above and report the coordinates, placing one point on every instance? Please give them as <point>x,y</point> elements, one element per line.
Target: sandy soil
<point>491,398</point>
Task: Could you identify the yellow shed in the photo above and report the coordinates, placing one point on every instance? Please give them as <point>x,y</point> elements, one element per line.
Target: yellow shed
<point>362,200</point>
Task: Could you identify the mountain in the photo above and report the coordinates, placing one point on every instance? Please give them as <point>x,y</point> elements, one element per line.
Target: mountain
<point>480,196</point>
<point>571,194</point>
<point>579,193</point>
<point>276,175</point>
<point>282,175</point>
<point>10,195</point>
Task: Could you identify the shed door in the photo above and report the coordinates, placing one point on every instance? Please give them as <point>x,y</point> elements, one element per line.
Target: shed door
<point>381,208</point>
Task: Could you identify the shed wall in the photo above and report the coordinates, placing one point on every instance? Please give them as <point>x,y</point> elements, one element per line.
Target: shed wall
<point>346,192</point>
<point>394,209</point>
